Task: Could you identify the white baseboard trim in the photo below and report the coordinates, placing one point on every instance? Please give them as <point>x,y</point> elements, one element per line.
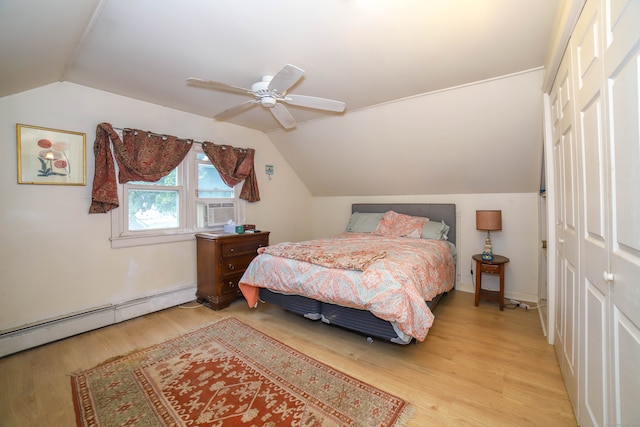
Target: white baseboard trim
<point>77,323</point>
<point>528,298</point>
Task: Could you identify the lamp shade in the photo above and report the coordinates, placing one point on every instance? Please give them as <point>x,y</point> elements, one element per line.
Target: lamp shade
<point>489,220</point>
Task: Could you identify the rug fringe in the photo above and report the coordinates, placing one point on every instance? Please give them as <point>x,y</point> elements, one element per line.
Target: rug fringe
<point>405,416</point>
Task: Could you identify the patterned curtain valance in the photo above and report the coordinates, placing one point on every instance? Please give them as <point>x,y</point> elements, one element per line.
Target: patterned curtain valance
<point>147,156</point>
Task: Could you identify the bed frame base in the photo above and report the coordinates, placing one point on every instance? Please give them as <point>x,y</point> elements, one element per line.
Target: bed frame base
<point>353,319</point>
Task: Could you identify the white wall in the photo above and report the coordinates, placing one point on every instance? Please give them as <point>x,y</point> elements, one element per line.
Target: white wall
<point>56,259</point>
<point>518,239</point>
<point>484,137</point>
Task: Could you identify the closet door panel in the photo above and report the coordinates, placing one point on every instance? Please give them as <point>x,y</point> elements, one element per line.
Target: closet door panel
<point>569,286</point>
<point>621,64</point>
<point>594,193</point>
<point>566,329</point>
<point>594,257</point>
<point>627,371</point>
<point>559,256</point>
<point>570,226</point>
<point>594,412</point>
<point>570,326</point>
<point>625,137</point>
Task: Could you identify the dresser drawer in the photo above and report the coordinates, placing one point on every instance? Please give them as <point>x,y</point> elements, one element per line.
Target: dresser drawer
<point>229,284</point>
<point>236,264</point>
<point>242,248</point>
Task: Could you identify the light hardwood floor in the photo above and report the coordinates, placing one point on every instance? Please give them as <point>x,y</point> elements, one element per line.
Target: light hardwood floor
<point>478,366</point>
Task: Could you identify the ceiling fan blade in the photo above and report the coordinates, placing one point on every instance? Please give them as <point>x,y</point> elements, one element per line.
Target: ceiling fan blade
<point>314,102</point>
<point>285,78</point>
<point>217,85</point>
<point>283,115</point>
<point>235,110</point>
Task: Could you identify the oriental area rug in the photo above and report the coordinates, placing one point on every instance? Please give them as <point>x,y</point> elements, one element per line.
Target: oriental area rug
<point>228,374</point>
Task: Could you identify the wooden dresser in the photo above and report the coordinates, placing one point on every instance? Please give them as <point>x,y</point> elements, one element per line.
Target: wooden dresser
<point>222,259</point>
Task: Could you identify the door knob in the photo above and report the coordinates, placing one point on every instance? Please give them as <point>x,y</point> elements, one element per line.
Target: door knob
<point>607,276</point>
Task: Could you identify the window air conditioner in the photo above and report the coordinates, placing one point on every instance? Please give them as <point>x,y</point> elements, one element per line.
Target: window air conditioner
<point>220,213</point>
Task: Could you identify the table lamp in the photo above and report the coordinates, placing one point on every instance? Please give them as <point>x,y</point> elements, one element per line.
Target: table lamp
<point>488,220</point>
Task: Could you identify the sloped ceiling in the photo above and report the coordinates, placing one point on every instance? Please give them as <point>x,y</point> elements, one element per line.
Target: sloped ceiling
<point>363,52</point>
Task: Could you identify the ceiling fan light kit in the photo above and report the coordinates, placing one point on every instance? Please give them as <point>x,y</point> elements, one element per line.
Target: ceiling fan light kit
<point>271,92</point>
<point>268,101</point>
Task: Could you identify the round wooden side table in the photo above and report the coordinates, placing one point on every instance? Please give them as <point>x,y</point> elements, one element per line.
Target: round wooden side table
<point>495,266</point>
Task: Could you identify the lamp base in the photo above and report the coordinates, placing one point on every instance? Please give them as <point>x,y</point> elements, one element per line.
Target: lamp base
<point>487,250</point>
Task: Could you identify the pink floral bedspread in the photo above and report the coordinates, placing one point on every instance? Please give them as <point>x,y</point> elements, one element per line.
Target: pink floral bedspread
<point>327,253</point>
<point>393,288</point>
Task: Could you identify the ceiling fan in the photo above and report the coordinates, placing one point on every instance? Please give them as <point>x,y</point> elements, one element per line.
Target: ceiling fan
<point>271,93</point>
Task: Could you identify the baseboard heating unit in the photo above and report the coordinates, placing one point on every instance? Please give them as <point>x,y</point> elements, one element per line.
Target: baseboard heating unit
<point>23,338</point>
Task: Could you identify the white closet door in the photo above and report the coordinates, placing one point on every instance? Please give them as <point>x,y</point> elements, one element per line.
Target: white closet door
<point>566,256</point>
<point>586,46</point>
<point>622,62</point>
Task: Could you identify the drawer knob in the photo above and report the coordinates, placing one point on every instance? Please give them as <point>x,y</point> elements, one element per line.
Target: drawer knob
<point>232,267</point>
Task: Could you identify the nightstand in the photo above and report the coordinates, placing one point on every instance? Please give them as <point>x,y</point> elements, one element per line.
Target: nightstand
<point>222,259</point>
<point>496,266</point>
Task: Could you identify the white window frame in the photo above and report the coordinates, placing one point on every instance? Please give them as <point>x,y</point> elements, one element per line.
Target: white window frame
<point>121,237</point>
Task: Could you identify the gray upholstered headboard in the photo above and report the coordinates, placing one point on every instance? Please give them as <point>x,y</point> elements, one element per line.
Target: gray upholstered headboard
<point>433,211</point>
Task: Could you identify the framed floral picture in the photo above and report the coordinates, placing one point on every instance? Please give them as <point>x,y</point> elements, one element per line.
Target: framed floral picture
<point>51,156</point>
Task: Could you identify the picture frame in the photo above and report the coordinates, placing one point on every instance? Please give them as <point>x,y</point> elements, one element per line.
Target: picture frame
<point>51,156</point>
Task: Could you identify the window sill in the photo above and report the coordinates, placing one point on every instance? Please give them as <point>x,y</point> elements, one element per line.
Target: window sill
<point>157,239</point>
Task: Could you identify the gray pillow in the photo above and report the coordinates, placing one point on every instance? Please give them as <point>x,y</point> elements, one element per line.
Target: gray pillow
<point>363,222</point>
<point>435,230</point>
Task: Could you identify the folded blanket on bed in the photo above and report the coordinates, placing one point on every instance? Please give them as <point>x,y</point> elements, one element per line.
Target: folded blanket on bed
<point>354,260</point>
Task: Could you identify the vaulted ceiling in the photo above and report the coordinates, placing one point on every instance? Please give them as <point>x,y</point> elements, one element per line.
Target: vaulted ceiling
<point>363,52</point>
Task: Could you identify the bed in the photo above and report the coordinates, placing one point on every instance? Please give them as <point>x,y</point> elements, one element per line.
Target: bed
<point>381,278</point>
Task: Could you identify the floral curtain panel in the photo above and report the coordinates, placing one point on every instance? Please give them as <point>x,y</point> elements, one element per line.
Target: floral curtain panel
<point>141,156</point>
<point>234,166</point>
<point>104,196</point>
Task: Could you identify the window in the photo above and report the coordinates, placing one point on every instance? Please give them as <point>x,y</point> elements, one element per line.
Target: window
<point>192,198</point>
<point>154,205</point>
<point>215,200</point>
